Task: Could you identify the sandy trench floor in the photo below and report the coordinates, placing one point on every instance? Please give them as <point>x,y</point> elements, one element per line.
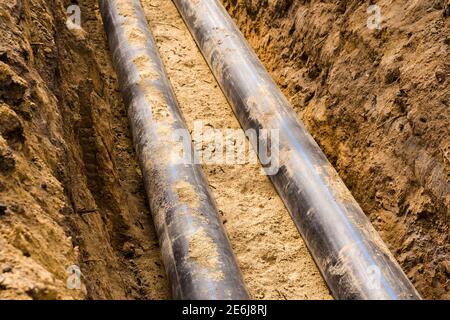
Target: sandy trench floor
<point>271,254</point>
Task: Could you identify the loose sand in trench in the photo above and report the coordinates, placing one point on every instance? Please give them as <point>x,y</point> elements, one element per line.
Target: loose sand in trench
<point>273,258</point>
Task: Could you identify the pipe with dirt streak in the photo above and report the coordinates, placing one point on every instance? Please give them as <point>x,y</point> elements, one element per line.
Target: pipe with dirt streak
<point>350,254</point>
<point>196,252</point>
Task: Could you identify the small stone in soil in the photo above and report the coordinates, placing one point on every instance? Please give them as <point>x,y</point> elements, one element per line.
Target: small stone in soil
<point>7,269</point>
<point>2,209</point>
<point>128,249</point>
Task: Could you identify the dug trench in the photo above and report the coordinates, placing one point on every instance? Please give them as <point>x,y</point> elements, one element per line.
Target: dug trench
<point>71,193</point>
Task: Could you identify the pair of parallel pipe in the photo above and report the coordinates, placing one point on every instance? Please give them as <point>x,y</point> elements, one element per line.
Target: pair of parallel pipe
<point>198,259</point>
<point>196,253</point>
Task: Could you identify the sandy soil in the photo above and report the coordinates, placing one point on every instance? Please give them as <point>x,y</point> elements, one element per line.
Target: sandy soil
<point>71,193</point>
<point>272,256</point>
<point>378,104</point>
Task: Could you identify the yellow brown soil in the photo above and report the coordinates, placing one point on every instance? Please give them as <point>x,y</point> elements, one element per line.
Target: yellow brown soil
<point>378,104</point>
<point>70,189</point>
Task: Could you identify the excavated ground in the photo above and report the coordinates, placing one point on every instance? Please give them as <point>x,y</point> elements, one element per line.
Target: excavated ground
<point>71,192</point>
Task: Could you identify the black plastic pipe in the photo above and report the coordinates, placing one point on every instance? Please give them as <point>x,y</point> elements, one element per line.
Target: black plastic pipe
<point>350,254</point>
<point>195,249</point>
